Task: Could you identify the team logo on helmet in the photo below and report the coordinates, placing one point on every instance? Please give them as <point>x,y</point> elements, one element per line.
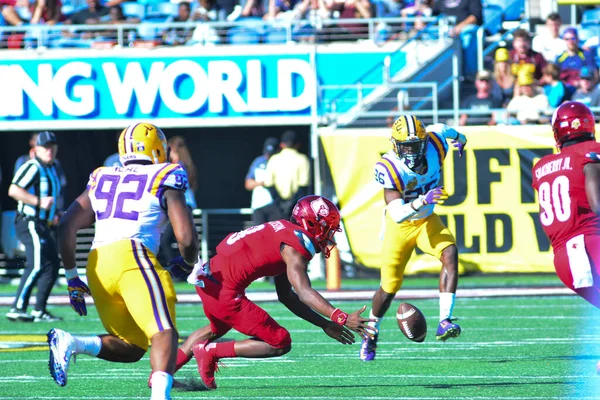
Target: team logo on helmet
<point>576,123</point>
<point>319,207</point>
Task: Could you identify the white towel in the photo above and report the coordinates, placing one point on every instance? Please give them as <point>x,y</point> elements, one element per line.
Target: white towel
<point>579,262</point>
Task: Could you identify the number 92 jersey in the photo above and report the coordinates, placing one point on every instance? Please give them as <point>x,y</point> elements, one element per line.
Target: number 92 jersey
<point>392,173</point>
<point>564,208</point>
<point>128,202</point>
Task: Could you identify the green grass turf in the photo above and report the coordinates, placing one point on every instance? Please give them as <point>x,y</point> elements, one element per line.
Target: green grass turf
<point>511,348</point>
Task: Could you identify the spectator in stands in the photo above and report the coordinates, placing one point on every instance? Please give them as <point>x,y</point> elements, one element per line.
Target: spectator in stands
<point>573,59</point>
<point>116,17</point>
<point>179,35</point>
<point>523,57</point>
<point>549,43</point>
<point>288,173</point>
<point>553,88</point>
<point>10,11</point>
<point>263,206</point>
<point>48,12</point>
<point>416,9</point>
<point>282,9</point>
<point>314,11</point>
<point>505,80</point>
<point>90,15</point>
<point>351,9</point>
<point>206,11</point>
<point>587,93</point>
<point>530,104</point>
<point>253,8</point>
<point>482,101</point>
<point>467,12</point>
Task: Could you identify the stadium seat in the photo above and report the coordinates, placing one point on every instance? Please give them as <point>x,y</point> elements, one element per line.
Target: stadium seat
<point>133,10</point>
<point>148,32</point>
<point>591,16</point>
<point>242,35</point>
<point>514,10</point>
<point>163,9</point>
<point>275,35</point>
<point>492,18</point>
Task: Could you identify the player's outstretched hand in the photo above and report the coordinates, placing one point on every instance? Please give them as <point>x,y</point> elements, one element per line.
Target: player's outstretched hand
<point>593,156</point>
<point>459,143</point>
<point>77,288</point>
<point>435,196</point>
<point>339,333</point>
<point>359,324</point>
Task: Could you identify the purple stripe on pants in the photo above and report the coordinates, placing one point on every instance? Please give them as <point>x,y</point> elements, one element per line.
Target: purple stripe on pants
<point>163,298</point>
<point>150,291</point>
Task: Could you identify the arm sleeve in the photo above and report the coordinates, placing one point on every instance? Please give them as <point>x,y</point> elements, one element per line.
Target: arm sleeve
<point>25,175</point>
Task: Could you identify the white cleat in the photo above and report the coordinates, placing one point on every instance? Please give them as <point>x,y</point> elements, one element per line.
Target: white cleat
<point>62,348</point>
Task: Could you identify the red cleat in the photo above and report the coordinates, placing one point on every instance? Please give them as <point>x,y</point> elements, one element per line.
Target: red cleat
<point>207,363</point>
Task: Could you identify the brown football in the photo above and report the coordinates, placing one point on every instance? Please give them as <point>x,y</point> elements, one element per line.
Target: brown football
<point>411,322</point>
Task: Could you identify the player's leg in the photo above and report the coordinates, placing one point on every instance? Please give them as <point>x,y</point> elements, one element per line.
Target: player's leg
<point>578,267</point>
<point>47,278</point>
<point>27,234</point>
<point>149,295</point>
<point>436,239</point>
<point>268,338</point>
<point>398,245</point>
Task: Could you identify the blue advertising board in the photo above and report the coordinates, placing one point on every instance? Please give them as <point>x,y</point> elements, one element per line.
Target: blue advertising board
<point>68,90</point>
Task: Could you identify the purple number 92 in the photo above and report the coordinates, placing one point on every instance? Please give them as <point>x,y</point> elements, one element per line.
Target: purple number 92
<point>109,194</point>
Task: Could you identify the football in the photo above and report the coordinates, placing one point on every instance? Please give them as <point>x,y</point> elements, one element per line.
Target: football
<point>411,322</point>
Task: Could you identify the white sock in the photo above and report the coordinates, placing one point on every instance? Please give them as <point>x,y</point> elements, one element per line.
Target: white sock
<point>446,305</point>
<point>375,324</point>
<point>89,345</point>
<point>161,385</point>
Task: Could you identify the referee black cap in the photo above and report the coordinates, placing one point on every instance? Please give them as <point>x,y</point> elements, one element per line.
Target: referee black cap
<point>45,138</point>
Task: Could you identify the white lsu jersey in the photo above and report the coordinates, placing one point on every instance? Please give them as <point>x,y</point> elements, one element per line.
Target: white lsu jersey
<point>392,173</point>
<point>128,202</point>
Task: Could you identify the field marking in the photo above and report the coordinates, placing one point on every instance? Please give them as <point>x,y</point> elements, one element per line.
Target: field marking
<point>217,397</point>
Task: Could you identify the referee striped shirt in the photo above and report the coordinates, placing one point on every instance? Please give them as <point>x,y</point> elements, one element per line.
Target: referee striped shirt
<point>41,180</point>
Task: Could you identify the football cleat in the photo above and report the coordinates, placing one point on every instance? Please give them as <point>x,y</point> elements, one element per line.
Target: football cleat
<point>62,348</point>
<point>16,314</point>
<point>207,364</point>
<point>44,316</point>
<point>368,348</point>
<point>447,329</point>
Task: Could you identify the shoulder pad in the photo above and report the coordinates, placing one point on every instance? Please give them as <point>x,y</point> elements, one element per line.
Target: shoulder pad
<point>171,176</point>
<point>387,175</point>
<point>94,177</point>
<point>305,242</point>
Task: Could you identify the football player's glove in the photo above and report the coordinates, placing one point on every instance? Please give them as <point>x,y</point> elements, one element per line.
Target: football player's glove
<point>77,288</point>
<point>180,268</point>
<point>435,196</point>
<point>459,143</point>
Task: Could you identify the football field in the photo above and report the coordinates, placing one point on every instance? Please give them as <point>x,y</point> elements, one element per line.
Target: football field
<point>511,348</point>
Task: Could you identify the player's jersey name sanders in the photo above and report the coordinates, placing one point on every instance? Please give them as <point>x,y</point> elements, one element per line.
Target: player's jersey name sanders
<point>560,164</point>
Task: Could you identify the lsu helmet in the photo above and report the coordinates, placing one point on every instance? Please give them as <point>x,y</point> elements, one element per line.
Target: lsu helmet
<point>572,120</point>
<point>320,218</point>
<point>409,139</point>
<point>142,141</point>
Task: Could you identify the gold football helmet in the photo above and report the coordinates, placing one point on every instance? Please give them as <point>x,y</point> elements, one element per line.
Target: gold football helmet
<point>142,141</point>
<point>409,139</point>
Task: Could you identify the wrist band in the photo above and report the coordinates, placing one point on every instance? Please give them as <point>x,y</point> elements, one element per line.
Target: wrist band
<point>339,317</point>
<point>71,273</point>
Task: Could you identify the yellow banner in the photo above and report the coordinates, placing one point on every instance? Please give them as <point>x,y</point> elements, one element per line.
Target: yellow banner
<point>492,209</point>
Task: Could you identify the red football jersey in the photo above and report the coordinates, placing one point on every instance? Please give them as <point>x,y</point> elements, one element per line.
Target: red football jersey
<point>245,256</point>
<point>560,182</point>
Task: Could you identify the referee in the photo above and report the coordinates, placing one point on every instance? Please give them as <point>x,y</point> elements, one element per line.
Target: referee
<point>36,186</point>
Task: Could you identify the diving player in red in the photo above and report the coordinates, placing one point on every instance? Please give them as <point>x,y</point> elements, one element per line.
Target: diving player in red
<point>568,185</point>
<point>281,249</point>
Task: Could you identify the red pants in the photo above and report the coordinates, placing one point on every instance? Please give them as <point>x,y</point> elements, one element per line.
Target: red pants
<point>577,259</point>
<point>226,308</point>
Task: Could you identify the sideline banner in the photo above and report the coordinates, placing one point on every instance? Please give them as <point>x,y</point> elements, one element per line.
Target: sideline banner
<point>492,209</point>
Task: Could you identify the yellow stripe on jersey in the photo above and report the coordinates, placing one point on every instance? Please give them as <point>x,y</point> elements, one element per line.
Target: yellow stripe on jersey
<point>393,174</point>
<point>94,178</point>
<point>438,145</point>
<point>155,185</point>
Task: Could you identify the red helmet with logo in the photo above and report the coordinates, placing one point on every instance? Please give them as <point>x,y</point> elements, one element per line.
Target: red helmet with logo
<point>572,120</point>
<point>320,218</point>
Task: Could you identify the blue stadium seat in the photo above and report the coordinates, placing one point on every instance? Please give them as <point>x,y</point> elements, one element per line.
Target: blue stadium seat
<point>514,10</point>
<point>133,10</point>
<point>591,17</point>
<point>148,32</point>
<point>242,35</point>
<point>275,35</point>
<point>492,18</point>
<point>163,9</point>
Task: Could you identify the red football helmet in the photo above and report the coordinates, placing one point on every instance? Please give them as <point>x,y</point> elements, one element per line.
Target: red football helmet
<point>320,218</point>
<point>572,120</point>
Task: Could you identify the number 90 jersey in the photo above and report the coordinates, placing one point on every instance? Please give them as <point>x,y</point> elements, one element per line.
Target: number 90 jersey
<point>128,202</point>
<point>564,208</point>
<point>392,173</point>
